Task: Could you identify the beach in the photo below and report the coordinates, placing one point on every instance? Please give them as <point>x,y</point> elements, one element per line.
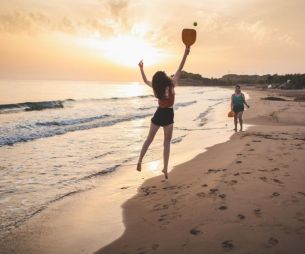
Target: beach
<point>242,195</point>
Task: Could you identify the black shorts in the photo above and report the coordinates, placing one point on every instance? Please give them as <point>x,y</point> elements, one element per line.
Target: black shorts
<point>163,117</point>
<point>238,108</point>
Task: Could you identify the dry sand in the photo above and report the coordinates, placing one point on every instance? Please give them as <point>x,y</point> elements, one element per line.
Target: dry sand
<point>243,196</point>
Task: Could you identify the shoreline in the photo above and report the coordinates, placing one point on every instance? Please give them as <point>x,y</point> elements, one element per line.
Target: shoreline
<point>155,209</point>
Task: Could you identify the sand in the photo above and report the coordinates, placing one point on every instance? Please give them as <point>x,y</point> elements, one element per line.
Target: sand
<point>246,195</point>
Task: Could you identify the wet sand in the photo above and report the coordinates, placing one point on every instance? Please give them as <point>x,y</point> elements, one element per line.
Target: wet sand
<point>246,195</point>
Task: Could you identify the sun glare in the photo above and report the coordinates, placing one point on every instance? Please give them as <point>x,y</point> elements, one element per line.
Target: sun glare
<point>129,50</point>
<point>126,50</point>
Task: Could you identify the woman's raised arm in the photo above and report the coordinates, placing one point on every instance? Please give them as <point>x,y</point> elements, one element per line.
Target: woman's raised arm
<point>146,81</point>
<point>178,72</point>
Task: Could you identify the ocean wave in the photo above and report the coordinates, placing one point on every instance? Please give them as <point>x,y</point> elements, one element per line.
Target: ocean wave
<point>146,108</point>
<point>178,139</point>
<point>31,106</point>
<point>72,121</point>
<point>131,97</point>
<point>102,172</point>
<point>34,131</point>
<point>203,116</point>
<point>219,99</point>
<point>184,104</point>
<point>57,104</point>
<point>103,155</point>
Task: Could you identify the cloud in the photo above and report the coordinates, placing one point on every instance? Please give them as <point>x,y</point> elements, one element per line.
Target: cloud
<point>118,7</point>
<point>17,22</point>
<point>262,33</point>
<point>111,17</point>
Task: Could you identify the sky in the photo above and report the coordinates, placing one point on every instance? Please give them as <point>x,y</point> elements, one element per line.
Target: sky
<point>104,39</point>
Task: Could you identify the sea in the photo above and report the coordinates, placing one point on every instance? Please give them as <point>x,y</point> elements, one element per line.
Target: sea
<point>57,138</point>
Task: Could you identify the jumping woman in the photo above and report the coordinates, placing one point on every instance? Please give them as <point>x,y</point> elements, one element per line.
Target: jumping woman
<point>164,90</point>
<point>237,105</point>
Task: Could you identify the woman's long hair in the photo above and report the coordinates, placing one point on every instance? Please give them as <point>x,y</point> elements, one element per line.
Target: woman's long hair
<point>160,82</point>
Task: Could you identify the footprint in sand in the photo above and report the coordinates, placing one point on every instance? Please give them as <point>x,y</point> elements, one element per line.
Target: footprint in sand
<point>238,162</point>
<point>162,217</point>
<point>211,170</point>
<point>222,195</point>
<point>246,173</point>
<point>223,207</point>
<point>272,242</point>
<point>275,194</point>
<point>228,244</point>
<point>236,174</point>
<point>240,216</point>
<point>302,193</point>
<point>171,187</point>
<point>263,170</point>
<point>213,191</point>
<point>263,178</point>
<point>258,211</point>
<point>275,169</point>
<point>124,188</point>
<point>204,185</point>
<point>277,181</point>
<point>251,150</point>
<point>159,207</point>
<point>232,182</point>
<point>201,194</point>
<point>195,231</point>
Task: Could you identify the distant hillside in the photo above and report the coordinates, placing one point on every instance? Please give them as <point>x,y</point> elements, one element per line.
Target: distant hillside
<point>287,81</point>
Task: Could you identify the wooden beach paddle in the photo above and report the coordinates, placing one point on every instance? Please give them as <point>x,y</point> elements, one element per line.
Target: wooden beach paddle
<point>188,36</point>
<point>231,114</point>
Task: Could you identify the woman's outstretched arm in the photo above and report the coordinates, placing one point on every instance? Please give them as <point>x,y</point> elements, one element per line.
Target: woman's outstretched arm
<point>245,100</point>
<point>178,72</point>
<point>232,105</point>
<point>146,81</point>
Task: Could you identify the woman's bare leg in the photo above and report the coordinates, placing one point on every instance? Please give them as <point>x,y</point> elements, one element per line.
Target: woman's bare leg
<point>235,121</point>
<point>152,132</point>
<point>240,118</point>
<point>168,132</point>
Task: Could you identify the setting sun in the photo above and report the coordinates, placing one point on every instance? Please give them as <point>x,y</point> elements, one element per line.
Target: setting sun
<point>126,50</point>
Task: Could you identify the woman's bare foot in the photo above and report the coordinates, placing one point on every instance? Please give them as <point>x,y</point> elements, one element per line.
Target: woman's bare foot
<point>235,129</point>
<point>139,166</point>
<point>165,173</point>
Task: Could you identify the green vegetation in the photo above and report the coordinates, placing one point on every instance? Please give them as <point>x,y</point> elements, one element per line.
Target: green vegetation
<point>287,81</point>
